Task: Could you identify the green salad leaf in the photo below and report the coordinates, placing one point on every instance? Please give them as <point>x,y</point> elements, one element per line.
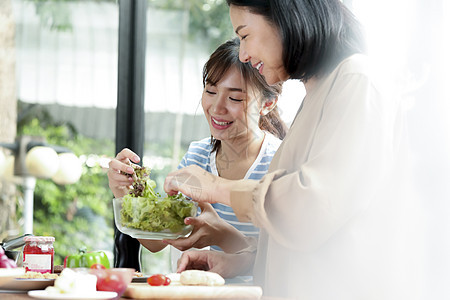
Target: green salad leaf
<point>144,209</point>
<point>142,185</point>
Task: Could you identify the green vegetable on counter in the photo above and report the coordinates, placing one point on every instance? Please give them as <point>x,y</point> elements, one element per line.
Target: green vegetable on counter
<point>84,259</point>
<point>144,209</point>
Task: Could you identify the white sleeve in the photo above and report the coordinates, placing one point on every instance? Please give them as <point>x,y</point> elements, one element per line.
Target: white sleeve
<point>348,158</point>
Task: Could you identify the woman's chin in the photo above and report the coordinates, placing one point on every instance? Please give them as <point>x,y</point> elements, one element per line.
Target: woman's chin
<point>275,78</point>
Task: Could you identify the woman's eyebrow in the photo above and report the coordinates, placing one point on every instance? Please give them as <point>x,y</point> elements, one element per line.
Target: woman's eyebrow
<point>231,89</point>
<point>239,28</point>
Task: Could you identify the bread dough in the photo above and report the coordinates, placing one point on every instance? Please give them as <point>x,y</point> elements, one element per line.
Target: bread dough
<point>199,277</point>
<point>174,278</point>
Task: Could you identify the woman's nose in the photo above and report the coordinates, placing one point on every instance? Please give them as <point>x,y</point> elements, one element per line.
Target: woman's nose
<point>219,105</point>
<point>243,55</point>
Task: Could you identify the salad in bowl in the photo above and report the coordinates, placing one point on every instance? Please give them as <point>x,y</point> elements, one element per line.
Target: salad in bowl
<point>144,214</point>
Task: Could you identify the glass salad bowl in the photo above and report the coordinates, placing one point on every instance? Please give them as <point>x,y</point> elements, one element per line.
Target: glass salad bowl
<point>153,218</point>
<point>113,280</point>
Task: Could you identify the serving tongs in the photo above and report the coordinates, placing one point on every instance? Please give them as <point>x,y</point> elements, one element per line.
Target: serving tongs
<point>12,244</point>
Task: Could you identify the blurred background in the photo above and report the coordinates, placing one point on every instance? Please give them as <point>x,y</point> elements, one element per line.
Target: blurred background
<point>59,82</point>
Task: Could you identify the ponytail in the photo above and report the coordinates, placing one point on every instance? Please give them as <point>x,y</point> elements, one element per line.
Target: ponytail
<point>273,124</point>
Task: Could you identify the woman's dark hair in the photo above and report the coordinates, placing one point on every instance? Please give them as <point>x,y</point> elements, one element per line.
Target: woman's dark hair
<point>316,34</point>
<point>225,57</point>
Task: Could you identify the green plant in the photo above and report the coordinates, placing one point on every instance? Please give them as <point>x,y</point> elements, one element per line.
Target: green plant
<point>208,19</point>
<point>78,214</point>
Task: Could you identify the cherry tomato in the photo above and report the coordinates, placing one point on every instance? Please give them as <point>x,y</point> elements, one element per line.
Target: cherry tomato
<point>158,279</point>
<point>98,266</point>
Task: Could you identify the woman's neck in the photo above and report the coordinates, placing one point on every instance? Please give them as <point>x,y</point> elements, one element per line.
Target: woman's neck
<point>235,157</point>
<point>310,84</point>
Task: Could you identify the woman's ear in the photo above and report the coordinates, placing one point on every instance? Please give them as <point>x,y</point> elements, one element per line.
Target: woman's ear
<point>268,105</point>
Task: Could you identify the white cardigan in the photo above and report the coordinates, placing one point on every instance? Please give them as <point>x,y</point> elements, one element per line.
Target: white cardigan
<point>328,214</point>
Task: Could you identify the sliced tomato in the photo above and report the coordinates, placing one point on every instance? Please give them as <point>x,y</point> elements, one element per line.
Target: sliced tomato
<point>158,279</point>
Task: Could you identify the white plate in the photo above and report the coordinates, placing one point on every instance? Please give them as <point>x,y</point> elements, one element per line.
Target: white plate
<point>91,295</point>
<point>8,275</point>
<point>27,284</point>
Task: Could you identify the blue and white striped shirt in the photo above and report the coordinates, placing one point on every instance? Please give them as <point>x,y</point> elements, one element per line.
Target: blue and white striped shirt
<point>199,153</point>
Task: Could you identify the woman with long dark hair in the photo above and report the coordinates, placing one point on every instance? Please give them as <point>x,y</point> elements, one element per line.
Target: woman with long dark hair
<point>327,207</point>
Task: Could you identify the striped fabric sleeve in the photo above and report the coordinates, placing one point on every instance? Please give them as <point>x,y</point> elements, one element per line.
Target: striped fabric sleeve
<point>198,154</point>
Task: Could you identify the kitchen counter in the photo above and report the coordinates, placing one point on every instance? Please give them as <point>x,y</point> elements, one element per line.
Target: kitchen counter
<point>141,290</point>
<point>9,295</point>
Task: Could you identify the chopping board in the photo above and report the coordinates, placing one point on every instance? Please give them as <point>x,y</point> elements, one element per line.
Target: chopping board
<point>146,291</point>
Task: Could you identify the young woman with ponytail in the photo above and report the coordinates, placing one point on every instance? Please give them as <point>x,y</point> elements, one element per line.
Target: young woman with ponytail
<point>246,131</point>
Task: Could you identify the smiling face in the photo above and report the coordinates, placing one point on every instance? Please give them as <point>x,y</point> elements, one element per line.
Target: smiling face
<point>260,44</point>
<point>231,109</point>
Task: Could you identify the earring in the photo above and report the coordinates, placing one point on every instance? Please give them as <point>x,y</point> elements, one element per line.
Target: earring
<point>268,104</point>
<point>267,107</point>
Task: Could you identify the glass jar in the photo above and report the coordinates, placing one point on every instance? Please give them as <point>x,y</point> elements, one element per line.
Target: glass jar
<point>38,254</point>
